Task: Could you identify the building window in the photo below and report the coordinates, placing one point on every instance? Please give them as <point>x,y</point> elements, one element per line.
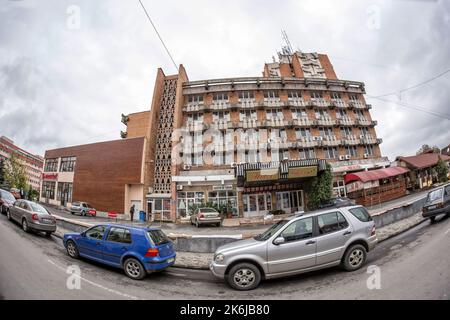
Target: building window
<point>246,95</point>
<point>185,201</point>
<point>51,165</point>
<point>270,94</point>
<point>339,188</point>
<point>195,99</point>
<point>64,193</point>
<point>302,133</point>
<point>48,189</point>
<point>273,114</point>
<point>360,114</point>
<point>162,208</point>
<point>321,114</point>
<point>364,131</point>
<point>222,198</point>
<point>346,131</point>
<point>353,97</point>
<point>247,115</point>
<point>299,113</point>
<point>325,132</point>
<point>341,114</point>
<point>221,116</point>
<point>352,151</point>
<point>316,95</point>
<point>331,153</point>
<point>335,95</point>
<point>220,96</point>
<point>294,94</point>
<point>195,118</point>
<point>307,153</point>
<point>67,164</point>
<point>368,149</point>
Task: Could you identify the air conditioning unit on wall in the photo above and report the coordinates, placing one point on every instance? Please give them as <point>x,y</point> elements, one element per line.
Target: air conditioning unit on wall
<point>341,157</point>
<point>186,167</point>
<point>366,155</point>
<point>347,157</point>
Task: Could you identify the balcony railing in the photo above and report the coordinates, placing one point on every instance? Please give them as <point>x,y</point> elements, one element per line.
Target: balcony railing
<point>247,103</point>
<point>319,103</point>
<point>248,123</point>
<point>367,139</point>
<point>363,122</point>
<point>194,107</point>
<point>302,122</point>
<point>330,141</point>
<point>345,121</point>
<point>273,102</point>
<point>196,126</point>
<point>350,140</point>
<point>325,121</point>
<point>296,102</point>
<point>338,103</point>
<point>220,124</point>
<point>357,104</point>
<point>307,142</point>
<point>276,122</point>
<point>220,105</point>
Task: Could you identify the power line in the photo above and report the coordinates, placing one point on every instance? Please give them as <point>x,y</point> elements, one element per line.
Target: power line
<point>402,104</point>
<point>414,86</point>
<point>160,38</point>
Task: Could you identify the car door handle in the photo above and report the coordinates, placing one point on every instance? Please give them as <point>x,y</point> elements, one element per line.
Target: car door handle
<point>346,233</point>
<point>310,242</point>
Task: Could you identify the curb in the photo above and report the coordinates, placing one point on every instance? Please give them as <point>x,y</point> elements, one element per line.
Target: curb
<point>402,231</point>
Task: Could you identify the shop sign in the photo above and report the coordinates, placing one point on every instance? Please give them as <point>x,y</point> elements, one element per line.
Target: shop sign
<point>262,175</point>
<point>302,172</point>
<point>49,176</point>
<point>225,187</point>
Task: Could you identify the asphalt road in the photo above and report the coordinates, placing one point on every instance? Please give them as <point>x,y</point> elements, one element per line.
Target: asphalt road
<point>414,265</point>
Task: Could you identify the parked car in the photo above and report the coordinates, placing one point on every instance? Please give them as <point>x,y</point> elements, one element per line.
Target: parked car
<point>338,202</point>
<point>297,244</point>
<point>7,200</point>
<point>202,216</point>
<point>136,250</point>
<point>437,202</point>
<point>83,209</point>
<point>32,216</point>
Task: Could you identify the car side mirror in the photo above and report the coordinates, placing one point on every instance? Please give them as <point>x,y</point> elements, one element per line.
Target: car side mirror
<point>279,241</point>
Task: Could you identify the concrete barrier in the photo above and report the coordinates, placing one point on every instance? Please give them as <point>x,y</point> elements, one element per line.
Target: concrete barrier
<point>398,213</point>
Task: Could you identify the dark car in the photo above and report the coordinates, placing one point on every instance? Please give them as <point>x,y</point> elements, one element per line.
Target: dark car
<point>437,202</point>
<point>338,203</point>
<point>7,200</point>
<point>136,250</point>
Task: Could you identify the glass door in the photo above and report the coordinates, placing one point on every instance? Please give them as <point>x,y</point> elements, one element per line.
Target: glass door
<point>257,204</point>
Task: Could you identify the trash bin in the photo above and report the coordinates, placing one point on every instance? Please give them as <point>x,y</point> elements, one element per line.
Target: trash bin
<point>142,215</point>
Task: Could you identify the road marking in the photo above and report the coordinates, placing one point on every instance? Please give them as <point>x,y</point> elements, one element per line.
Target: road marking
<point>96,284</point>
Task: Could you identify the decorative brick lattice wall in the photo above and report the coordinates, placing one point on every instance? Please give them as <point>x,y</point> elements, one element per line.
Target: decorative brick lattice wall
<point>163,139</point>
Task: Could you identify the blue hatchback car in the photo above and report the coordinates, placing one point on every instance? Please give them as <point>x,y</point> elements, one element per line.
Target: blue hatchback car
<point>136,250</point>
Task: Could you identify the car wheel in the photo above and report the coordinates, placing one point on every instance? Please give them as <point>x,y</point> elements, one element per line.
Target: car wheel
<point>25,225</point>
<point>244,276</point>
<point>134,269</point>
<point>433,219</point>
<point>72,249</point>
<point>8,215</point>
<point>354,257</point>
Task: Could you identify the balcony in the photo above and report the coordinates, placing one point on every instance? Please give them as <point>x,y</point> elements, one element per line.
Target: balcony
<point>345,121</point>
<point>196,126</point>
<point>219,105</point>
<point>374,123</point>
<point>307,142</point>
<point>220,124</point>
<point>357,104</point>
<point>301,122</point>
<point>363,122</point>
<point>350,140</point>
<point>319,103</point>
<point>248,123</point>
<point>379,141</point>
<point>330,141</point>
<point>338,103</point>
<point>369,106</point>
<point>325,121</point>
<point>296,102</point>
<point>367,139</point>
<point>247,103</point>
<point>194,107</point>
<point>273,103</point>
<point>276,122</point>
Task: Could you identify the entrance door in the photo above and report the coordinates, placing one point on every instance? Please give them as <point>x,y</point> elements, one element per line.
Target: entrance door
<point>290,201</point>
<point>137,208</point>
<point>257,204</point>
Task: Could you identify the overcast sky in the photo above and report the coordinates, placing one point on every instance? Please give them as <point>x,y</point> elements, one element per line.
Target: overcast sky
<point>68,69</point>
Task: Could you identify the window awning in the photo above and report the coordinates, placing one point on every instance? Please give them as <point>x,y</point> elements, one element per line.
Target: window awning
<point>373,175</point>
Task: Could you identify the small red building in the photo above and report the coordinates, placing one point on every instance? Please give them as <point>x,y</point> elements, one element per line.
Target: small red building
<point>376,186</point>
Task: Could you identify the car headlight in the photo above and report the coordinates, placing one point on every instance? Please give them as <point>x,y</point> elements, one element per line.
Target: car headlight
<point>219,258</point>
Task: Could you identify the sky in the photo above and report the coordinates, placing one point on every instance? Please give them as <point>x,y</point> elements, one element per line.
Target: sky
<point>69,69</point>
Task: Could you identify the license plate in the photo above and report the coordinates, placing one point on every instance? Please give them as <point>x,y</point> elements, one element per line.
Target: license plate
<point>47,220</point>
<point>432,207</point>
<point>171,260</point>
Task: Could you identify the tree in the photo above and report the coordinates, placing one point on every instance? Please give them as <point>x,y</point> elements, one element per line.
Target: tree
<point>441,170</point>
<point>427,148</point>
<point>320,189</point>
<point>15,175</point>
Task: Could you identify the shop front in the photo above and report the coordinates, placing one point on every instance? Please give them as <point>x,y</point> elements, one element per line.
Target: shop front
<point>275,186</point>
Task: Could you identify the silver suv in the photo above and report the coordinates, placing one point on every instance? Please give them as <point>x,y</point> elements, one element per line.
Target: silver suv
<point>301,243</point>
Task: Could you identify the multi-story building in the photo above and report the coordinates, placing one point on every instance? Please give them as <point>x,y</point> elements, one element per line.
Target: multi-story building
<point>33,163</point>
<point>253,142</point>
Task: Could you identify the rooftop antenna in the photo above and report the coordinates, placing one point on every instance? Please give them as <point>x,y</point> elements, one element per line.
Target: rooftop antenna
<point>286,39</point>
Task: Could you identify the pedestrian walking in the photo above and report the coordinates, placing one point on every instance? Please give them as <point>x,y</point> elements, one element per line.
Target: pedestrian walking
<point>132,212</point>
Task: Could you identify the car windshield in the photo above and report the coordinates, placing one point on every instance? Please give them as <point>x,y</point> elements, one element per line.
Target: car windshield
<point>37,208</point>
<point>271,231</point>
<point>158,237</point>
<point>435,195</point>
<point>7,196</point>
<point>208,210</point>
